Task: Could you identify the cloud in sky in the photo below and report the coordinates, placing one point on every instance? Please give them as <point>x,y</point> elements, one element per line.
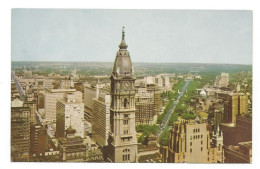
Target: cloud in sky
<point>176,36</point>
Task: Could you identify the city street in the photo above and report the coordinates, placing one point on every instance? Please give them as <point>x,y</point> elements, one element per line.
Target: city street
<point>20,90</point>
<point>163,126</point>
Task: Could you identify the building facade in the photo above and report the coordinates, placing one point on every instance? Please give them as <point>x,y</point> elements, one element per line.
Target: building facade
<point>145,107</point>
<point>50,100</point>
<point>239,154</point>
<point>235,104</point>
<point>39,139</point>
<point>222,80</point>
<point>190,142</point>
<point>90,92</point>
<point>70,112</point>
<point>71,147</point>
<point>20,133</point>
<point>101,118</point>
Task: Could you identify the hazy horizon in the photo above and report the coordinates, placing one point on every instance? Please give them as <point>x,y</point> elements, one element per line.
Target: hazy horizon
<point>160,36</point>
<point>132,62</point>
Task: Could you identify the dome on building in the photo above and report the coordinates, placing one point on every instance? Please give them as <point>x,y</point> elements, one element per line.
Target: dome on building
<point>123,64</point>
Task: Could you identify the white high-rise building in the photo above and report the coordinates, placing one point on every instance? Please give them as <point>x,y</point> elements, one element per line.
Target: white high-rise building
<point>70,112</point>
<point>222,80</point>
<point>90,92</point>
<point>50,100</point>
<point>101,117</point>
<point>166,81</point>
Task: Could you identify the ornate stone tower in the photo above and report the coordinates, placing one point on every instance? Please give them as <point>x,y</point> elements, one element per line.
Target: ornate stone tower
<point>122,144</point>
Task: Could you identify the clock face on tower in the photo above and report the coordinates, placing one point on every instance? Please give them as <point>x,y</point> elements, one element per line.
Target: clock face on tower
<point>125,85</point>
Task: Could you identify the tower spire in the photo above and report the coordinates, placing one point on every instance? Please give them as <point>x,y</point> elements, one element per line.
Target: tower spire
<point>123,33</point>
<point>123,44</point>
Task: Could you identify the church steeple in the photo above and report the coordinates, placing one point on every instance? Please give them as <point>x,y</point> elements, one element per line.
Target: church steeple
<point>123,44</point>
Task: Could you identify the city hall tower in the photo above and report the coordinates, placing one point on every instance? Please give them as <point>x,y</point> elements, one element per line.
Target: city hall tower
<point>122,144</point>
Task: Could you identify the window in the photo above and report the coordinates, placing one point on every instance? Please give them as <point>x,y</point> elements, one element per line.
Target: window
<point>126,155</point>
<point>198,130</point>
<point>201,142</point>
<point>191,150</point>
<point>125,103</point>
<point>201,148</point>
<point>201,136</point>
<point>193,130</point>
<point>125,122</point>
<point>126,131</point>
<point>198,136</point>
<point>190,143</point>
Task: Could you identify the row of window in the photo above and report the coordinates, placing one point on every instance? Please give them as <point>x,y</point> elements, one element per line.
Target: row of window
<point>126,139</point>
<point>196,137</point>
<point>201,149</point>
<point>200,143</point>
<point>196,130</point>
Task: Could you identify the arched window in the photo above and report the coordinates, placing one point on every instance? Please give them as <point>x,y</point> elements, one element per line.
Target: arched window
<point>125,103</point>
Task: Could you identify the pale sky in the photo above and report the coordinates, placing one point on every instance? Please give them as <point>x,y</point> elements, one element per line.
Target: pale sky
<point>169,36</point>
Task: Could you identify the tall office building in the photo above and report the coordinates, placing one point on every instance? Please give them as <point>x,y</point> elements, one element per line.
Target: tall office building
<point>152,88</point>
<point>166,81</point>
<point>235,104</point>
<point>158,80</point>
<point>20,133</point>
<point>50,100</point>
<point>38,139</point>
<point>101,117</point>
<point>218,118</point>
<point>222,80</point>
<point>122,143</point>
<point>230,108</point>
<point>243,128</point>
<point>70,112</point>
<point>145,107</point>
<point>243,104</point>
<point>190,142</point>
<point>90,92</point>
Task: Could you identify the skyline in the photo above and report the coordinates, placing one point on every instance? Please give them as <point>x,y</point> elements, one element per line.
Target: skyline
<point>59,34</point>
<point>135,62</point>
